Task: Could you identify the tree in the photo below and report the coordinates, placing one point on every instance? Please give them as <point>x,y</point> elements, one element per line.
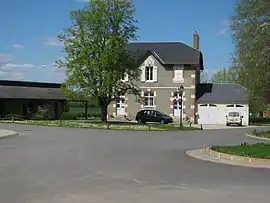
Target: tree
<point>225,75</point>
<point>203,77</point>
<point>96,52</point>
<point>250,29</point>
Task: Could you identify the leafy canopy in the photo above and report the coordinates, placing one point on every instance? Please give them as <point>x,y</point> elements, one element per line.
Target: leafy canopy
<point>250,29</point>
<point>225,75</point>
<point>96,51</point>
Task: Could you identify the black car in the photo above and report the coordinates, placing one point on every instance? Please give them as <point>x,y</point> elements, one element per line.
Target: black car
<point>144,116</point>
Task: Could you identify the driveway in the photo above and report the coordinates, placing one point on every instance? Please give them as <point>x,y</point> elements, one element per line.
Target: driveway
<point>57,165</point>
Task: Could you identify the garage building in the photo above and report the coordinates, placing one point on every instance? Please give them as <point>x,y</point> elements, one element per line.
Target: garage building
<point>216,100</point>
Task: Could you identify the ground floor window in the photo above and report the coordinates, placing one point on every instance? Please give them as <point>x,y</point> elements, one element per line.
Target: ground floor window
<point>149,99</point>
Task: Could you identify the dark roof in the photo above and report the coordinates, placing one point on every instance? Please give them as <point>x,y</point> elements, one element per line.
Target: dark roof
<point>30,90</point>
<point>222,93</point>
<point>29,84</point>
<point>168,52</point>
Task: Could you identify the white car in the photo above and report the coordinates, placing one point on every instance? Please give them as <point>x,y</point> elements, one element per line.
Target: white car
<point>234,118</point>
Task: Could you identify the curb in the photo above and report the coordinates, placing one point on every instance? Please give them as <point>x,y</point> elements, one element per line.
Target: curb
<point>8,134</point>
<point>207,154</point>
<point>257,137</point>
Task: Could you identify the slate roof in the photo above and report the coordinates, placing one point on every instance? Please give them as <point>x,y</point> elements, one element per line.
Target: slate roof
<point>30,90</point>
<point>222,93</point>
<point>168,52</point>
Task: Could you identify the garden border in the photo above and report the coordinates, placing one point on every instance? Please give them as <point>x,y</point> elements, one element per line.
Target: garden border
<point>70,125</point>
<point>257,137</point>
<point>208,154</point>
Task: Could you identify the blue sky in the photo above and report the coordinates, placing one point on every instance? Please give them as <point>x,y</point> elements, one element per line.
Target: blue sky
<point>28,47</point>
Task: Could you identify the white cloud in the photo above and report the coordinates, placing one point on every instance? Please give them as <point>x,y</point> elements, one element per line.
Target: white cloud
<point>31,72</point>
<point>5,58</point>
<point>53,41</point>
<point>17,46</point>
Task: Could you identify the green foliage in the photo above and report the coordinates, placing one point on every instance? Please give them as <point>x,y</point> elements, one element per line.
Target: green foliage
<point>12,116</point>
<point>259,150</point>
<point>44,113</point>
<point>251,27</point>
<point>96,55</point>
<point>203,77</point>
<point>225,75</point>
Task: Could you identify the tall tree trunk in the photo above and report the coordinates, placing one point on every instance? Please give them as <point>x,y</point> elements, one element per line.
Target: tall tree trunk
<point>104,112</point>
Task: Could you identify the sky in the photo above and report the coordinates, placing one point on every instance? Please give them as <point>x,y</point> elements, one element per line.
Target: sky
<point>29,47</point>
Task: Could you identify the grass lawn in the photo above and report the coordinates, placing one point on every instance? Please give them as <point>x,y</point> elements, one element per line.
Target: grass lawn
<point>95,124</point>
<point>265,134</point>
<point>259,150</point>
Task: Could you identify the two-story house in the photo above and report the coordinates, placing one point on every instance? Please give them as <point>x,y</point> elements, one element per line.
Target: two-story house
<point>165,66</point>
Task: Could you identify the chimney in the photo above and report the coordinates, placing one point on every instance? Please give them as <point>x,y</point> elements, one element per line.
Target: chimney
<point>196,41</point>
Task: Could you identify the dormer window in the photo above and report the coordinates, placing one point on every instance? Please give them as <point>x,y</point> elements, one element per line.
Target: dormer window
<point>149,73</point>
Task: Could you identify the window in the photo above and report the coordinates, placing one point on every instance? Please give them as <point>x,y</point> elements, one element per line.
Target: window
<point>149,99</point>
<point>213,105</point>
<point>234,114</point>
<point>231,105</point>
<point>203,105</point>
<point>178,76</point>
<point>238,105</point>
<point>149,73</point>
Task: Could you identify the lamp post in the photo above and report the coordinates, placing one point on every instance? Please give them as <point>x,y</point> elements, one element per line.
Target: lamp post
<point>180,100</point>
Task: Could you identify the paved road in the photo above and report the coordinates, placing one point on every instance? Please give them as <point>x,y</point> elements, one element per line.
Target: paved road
<point>57,165</point>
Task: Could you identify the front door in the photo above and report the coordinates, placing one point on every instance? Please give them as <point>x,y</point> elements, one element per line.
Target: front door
<point>176,105</point>
<point>120,107</point>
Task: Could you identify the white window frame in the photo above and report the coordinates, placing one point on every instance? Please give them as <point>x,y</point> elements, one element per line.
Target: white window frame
<point>148,74</point>
<point>178,76</point>
<point>149,96</point>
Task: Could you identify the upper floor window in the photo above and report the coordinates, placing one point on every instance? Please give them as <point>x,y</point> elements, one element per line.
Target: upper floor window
<point>178,76</point>
<point>149,73</point>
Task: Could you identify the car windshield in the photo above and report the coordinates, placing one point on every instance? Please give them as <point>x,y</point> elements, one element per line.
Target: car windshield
<point>234,114</point>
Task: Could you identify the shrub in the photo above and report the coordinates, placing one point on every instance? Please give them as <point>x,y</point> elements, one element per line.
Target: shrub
<point>11,116</point>
<point>69,116</point>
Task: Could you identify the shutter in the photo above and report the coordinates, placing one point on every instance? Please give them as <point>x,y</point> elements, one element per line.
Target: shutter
<point>178,76</point>
<point>155,74</point>
<point>181,75</point>
<point>142,73</point>
<point>155,99</point>
<point>142,98</point>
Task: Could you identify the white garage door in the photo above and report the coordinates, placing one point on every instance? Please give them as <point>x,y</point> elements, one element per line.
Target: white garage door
<point>208,114</point>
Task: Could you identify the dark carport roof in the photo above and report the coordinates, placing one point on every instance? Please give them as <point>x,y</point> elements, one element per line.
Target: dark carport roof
<point>168,52</point>
<point>30,90</point>
<point>222,93</point>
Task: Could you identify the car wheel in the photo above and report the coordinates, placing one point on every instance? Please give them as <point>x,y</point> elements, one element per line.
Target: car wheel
<point>140,121</point>
<point>162,121</point>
